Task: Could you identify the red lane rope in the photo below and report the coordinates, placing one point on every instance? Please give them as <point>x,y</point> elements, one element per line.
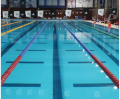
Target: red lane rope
<point>17,60</point>
<point>104,68</point>
<point>10,69</point>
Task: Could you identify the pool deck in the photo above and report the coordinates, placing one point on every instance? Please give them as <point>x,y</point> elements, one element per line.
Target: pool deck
<point>99,23</point>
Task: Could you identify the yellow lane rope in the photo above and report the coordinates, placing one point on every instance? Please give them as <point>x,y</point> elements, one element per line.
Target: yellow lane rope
<point>16,28</point>
<point>11,23</point>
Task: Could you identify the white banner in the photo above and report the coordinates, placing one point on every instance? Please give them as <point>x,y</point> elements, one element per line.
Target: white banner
<point>68,13</point>
<point>70,3</point>
<point>28,14</point>
<point>17,14</point>
<point>101,12</point>
<point>5,14</point>
<point>84,3</point>
<point>40,14</point>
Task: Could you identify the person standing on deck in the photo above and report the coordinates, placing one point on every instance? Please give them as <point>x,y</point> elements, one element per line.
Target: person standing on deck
<point>109,26</point>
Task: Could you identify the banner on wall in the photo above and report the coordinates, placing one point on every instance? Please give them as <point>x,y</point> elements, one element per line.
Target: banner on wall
<point>40,14</point>
<point>70,3</point>
<point>5,14</point>
<point>101,12</point>
<point>17,14</point>
<point>84,3</point>
<point>28,13</point>
<point>11,14</point>
<point>68,13</point>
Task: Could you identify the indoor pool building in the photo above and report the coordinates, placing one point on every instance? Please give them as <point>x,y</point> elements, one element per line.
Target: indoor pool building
<point>59,49</point>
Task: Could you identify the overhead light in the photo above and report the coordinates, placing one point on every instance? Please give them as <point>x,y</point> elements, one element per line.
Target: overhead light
<point>102,71</point>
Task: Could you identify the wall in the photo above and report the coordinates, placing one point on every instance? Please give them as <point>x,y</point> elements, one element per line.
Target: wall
<point>117,8</point>
<point>116,5</point>
<point>93,12</point>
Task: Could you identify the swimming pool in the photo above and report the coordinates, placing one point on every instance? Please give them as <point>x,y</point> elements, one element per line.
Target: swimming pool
<point>56,66</point>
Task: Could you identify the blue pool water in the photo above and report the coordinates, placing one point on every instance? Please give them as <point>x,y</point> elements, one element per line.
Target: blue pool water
<point>56,66</point>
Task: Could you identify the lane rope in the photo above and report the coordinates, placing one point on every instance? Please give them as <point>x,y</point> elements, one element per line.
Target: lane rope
<point>98,30</point>
<point>12,23</point>
<point>16,28</point>
<point>6,21</point>
<point>101,65</point>
<point>17,60</point>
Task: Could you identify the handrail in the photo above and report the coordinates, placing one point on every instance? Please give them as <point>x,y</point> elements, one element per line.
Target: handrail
<point>101,65</point>
<point>17,60</point>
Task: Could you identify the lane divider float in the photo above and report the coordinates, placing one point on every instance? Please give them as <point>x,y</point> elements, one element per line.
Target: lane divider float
<point>17,60</point>
<point>92,35</point>
<point>16,28</point>
<point>6,21</point>
<point>101,65</point>
<point>12,23</point>
<point>98,30</point>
